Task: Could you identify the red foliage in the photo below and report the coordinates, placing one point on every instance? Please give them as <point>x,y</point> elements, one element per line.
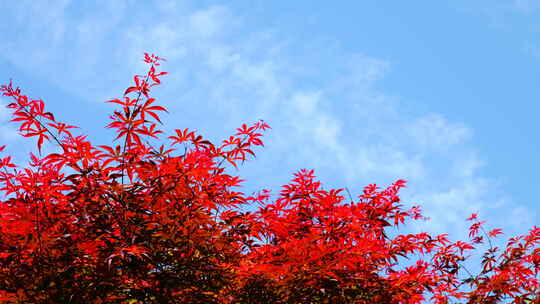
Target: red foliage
<point>137,223</point>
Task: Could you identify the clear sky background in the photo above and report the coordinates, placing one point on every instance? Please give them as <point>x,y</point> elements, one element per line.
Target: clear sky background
<point>444,94</point>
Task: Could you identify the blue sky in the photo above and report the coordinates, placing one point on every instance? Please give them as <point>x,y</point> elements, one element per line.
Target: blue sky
<point>442,94</point>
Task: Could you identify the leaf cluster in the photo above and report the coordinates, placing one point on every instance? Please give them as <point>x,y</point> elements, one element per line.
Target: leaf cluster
<point>140,222</point>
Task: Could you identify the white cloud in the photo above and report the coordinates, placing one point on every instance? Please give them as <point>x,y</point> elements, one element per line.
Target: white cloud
<point>305,102</point>
<point>7,132</point>
<point>365,70</point>
<point>433,131</point>
<point>208,22</point>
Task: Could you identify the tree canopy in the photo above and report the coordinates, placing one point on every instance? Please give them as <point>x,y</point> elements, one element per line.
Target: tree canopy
<point>153,218</point>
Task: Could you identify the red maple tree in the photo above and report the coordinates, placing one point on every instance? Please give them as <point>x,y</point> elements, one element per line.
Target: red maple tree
<point>136,222</point>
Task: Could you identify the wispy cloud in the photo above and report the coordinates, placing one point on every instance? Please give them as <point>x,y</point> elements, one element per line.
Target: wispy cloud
<point>434,132</point>
<point>7,133</point>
